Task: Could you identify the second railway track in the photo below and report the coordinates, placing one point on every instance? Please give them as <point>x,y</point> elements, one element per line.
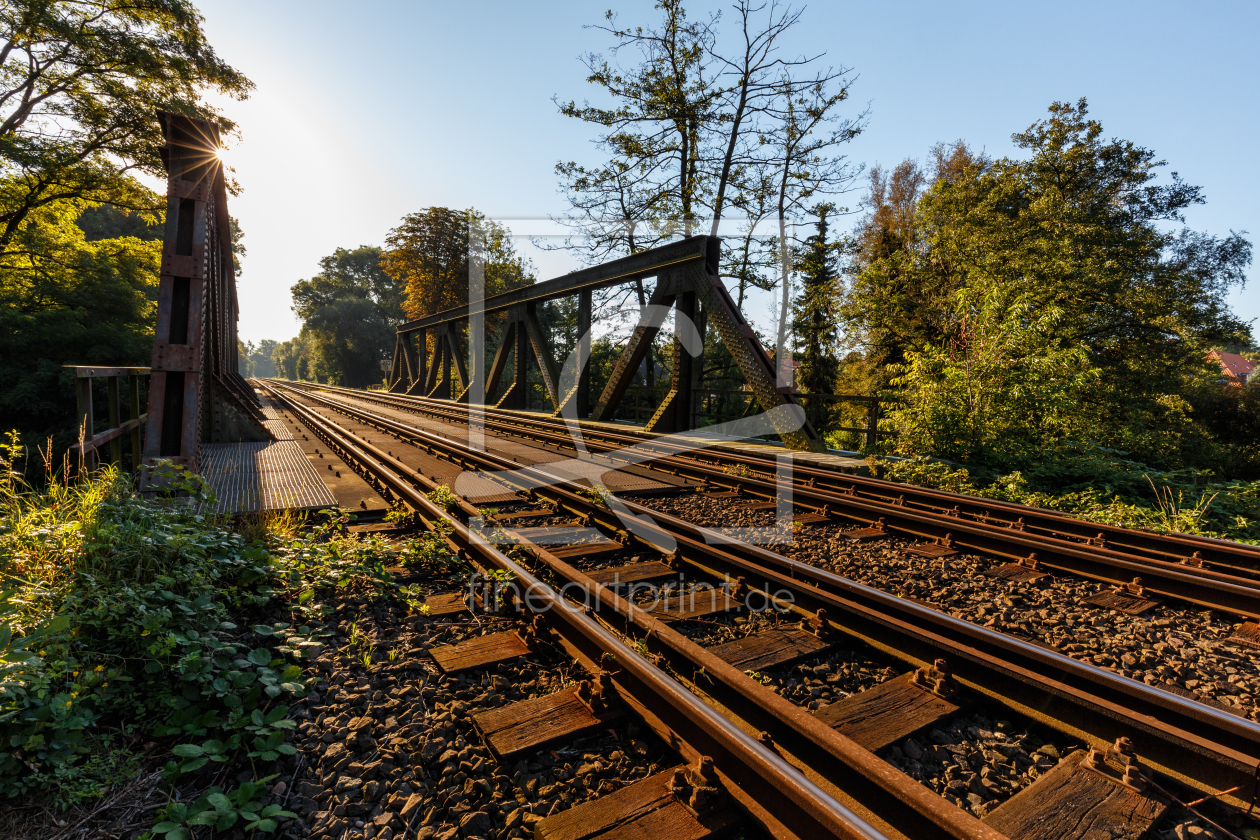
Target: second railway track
<point>947,660</point>
<point>1211,573</point>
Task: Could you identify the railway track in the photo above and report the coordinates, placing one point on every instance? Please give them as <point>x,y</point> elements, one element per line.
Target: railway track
<point>792,770</point>
<point>1141,566</point>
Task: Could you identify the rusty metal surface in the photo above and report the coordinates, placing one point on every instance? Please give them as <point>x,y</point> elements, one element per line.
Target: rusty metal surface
<point>778,795</point>
<point>807,467</point>
<point>249,477</point>
<point>1185,738</point>
<point>1100,559</point>
<point>197,395</point>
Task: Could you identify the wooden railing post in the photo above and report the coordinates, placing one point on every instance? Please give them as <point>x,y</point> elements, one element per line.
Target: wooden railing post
<point>83,396</point>
<point>133,412</point>
<point>111,402</point>
<point>872,425</point>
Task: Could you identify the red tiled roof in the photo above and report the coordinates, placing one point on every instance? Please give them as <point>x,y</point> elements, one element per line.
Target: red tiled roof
<point>1232,364</point>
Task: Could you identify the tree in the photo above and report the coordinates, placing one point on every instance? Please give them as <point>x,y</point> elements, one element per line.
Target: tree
<point>349,312</point>
<point>346,340</point>
<point>290,359</point>
<point>256,358</point>
<point>78,302</point>
<point>654,130</point>
<point>356,273</point>
<point>815,322</point>
<point>429,252</point>
<point>78,90</point>
<point>1079,228</point>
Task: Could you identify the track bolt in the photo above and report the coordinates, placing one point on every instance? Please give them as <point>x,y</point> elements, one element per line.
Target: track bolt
<point>818,624</point>
<point>679,783</point>
<point>920,678</point>
<point>697,801</point>
<point>1097,759</point>
<point>1124,748</point>
<point>1195,560</point>
<point>1133,777</point>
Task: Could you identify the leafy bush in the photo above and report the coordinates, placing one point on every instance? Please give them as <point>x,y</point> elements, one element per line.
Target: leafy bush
<point>122,613</point>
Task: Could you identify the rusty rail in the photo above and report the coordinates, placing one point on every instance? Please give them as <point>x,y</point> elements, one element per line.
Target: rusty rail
<point>1197,744</point>
<point>775,793</point>
<point>1111,562</point>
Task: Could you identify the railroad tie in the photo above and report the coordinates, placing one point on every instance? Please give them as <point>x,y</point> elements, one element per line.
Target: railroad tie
<point>1095,794</point>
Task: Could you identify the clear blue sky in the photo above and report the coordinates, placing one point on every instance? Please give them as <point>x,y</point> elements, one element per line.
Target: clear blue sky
<point>364,112</point>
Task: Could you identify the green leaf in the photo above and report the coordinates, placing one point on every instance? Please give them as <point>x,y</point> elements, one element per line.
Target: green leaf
<point>287,749</point>
<point>263,630</point>
<point>219,802</point>
<point>274,690</point>
<point>260,656</point>
<point>269,755</point>
<point>180,833</point>
<point>188,750</point>
<point>267,825</point>
<point>276,714</point>
<point>257,717</point>
<point>163,827</point>
<point>226,821</point>
<point>207,817</point>
<point>177,811</point>
<point>193,764</point>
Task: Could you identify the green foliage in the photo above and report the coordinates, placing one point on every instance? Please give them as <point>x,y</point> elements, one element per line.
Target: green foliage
<point>103,221</point>
<point>599,495</point>
<point>344,342</point>
<point>429,252</point>
<point>429,552</point>
<point>222,810</point>
<point>1000,386</point>
<point>256,358</point>
<point>124,611</point>
<point>1063,263</point>
<point>349,273</point>
<point>80,302</point>
<point>349,311</point>
<point>443,496</point>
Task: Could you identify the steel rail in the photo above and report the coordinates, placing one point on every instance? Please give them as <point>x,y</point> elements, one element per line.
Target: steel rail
<point>862,781</point>
<point>1196,743</point>
<point>1204,587</point>
<point>1179,548</point>
<point>773,792</point>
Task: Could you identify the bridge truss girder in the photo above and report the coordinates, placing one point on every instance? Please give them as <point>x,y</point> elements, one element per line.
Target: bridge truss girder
<point>686,279</point>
